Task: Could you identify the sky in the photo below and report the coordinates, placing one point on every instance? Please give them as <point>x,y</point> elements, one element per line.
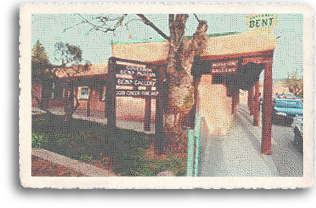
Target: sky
<point>50,28</point>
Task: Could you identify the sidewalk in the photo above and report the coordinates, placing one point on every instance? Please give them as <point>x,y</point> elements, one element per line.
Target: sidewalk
<point>237,154</point>
<point>86,169</point>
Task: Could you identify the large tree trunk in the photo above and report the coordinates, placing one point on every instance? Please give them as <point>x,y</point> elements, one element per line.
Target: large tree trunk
<point>181,56</point>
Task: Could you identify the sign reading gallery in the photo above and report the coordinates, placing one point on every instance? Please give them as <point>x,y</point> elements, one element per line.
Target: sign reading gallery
<point>224,67</point>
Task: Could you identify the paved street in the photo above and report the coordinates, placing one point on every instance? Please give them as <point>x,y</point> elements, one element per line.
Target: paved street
<point>238,153</point>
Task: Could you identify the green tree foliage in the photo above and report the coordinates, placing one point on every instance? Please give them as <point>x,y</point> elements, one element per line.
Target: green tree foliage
<point>70,57</point>
<point>40,63</point>
<point>295,82</point>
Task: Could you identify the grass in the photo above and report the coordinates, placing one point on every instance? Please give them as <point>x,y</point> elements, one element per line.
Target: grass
<point>87,141</point>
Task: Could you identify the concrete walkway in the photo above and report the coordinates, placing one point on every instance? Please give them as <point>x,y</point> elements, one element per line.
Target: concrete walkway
<point>237,154</point>
<point>86,169</point>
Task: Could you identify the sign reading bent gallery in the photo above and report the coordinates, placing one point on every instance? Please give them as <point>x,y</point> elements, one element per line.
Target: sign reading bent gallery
<point>135,80</point>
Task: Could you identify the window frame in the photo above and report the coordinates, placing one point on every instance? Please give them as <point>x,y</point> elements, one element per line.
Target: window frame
<point>80,93</point>
<point>102,93</point>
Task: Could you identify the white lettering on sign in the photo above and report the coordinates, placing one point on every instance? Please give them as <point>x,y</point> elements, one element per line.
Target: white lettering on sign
<point>144,83</point>
<point>124,81</point>
<point>224,67</point>
<point>127,72</point>
<point>147,74</point>
<point>121,93</point>
<point>134,68</point>
<point>135,80</point>
<point>136,93</point>
<point>132,93</point>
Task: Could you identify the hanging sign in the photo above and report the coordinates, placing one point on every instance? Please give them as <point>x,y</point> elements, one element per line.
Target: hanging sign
<point>224,67</point>
<point>261,21</point>
<point>135,80</point>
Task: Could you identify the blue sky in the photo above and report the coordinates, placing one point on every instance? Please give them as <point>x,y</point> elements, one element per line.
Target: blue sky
<point>49,29</point>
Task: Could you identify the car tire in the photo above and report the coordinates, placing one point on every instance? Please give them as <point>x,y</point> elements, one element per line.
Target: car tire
<point>298,139</point>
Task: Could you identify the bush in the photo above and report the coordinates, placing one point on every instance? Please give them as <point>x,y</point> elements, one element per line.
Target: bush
<point>38,140</point>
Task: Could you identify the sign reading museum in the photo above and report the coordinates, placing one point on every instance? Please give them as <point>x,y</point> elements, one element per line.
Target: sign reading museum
<point>224,67</point>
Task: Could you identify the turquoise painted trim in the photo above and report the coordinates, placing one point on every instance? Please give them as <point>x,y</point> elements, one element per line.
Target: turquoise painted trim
<point>197,134</point>
<point>190,160</point>
<point>162,40</point>
<point>194,140</point>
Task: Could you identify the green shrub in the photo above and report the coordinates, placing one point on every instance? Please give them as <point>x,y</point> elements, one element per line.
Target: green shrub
<point>38,140</point>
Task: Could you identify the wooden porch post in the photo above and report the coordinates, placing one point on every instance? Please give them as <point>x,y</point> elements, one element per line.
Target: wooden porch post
<point>238,97</point>
<point>147,113</point>
<point>159,140</point>
<point>234,92</point>
<point>111,100</point>
<point>267,110</point>
<point>251,100</point>
<point>88,102</point>
<point>256,106</point>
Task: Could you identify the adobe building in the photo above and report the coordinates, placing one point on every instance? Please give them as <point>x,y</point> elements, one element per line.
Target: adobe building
<point>90,89</point>
<point>230,63</point>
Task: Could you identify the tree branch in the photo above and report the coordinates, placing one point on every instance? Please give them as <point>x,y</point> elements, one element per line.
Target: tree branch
<point>151,24</point>
<point>103,28</point>
<point>196,17</point>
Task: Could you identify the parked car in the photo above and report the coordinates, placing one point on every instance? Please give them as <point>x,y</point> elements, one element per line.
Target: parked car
<point>289,96</point>
<point>286,109</point>
<point>298,132</point>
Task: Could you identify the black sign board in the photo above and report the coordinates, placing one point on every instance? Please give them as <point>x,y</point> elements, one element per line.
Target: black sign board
<point>224,67</point>
<point>130,78</point>
<point>133,79</point>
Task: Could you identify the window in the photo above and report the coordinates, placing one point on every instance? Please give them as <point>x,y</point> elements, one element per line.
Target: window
<point>83,92</point>
<point>102,93</point>
<point>295,104</point>
<point>280,104</point>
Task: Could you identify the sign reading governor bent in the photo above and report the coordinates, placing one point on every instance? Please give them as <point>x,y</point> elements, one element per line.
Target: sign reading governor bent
<point>135,80</point>
<point>224,67</point>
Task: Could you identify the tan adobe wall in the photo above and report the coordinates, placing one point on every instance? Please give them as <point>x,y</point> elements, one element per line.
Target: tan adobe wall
<point>133,109</point>
<point>214,105</point>
<point>130,109</point>
<point>95,103</point>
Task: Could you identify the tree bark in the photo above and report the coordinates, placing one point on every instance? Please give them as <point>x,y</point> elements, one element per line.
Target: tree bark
<point>181,56</point>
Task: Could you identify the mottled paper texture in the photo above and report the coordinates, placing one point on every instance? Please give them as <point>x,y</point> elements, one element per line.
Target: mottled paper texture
<point>233,142</point>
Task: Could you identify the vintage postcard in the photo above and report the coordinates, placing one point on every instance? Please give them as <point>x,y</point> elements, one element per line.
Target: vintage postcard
<point>117,95</point>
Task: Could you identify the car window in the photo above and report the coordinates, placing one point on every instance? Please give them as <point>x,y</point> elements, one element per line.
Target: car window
<point>280,104</point>
<point>295,104</point>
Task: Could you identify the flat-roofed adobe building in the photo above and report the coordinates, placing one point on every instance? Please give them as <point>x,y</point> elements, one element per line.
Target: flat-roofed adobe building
<point>230,62</point>
<point>90,88</point>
